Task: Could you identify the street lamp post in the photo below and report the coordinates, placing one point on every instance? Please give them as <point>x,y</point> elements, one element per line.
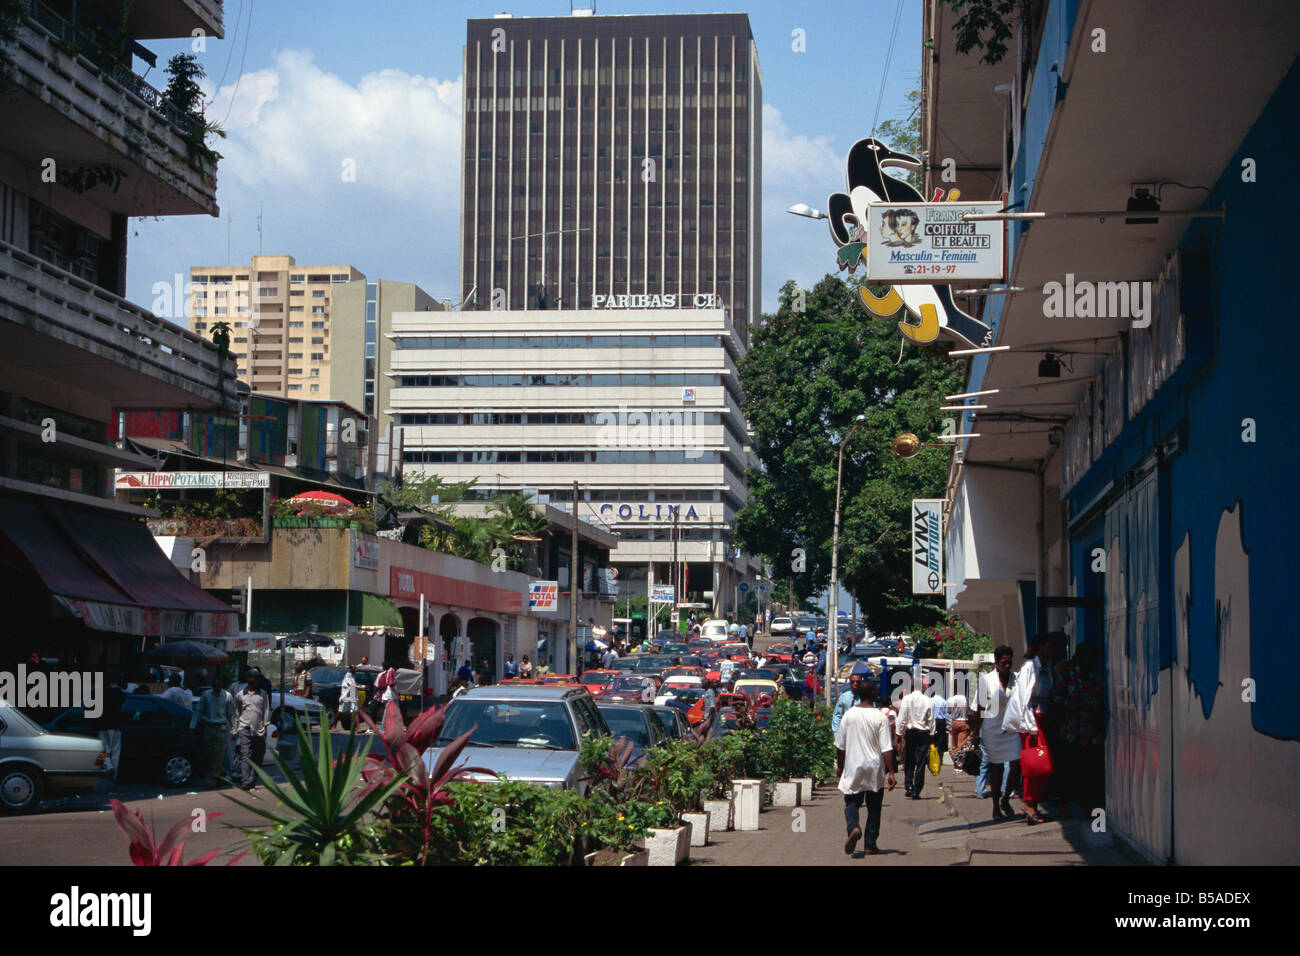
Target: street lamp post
<point>833,656</point>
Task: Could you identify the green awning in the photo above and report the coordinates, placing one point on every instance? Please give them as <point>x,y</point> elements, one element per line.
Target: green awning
<point>372,609</point>
<point>288,612</point>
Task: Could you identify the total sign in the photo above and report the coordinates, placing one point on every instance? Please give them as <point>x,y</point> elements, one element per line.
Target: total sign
<point>927,546</point>
<point>543,596</point>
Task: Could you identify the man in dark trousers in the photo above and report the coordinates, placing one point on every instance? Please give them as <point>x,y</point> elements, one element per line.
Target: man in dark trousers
<point>914,729</point>
<point>253,709</point>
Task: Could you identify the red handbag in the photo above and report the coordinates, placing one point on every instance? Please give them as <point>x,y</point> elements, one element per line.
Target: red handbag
<point>1035,758</point>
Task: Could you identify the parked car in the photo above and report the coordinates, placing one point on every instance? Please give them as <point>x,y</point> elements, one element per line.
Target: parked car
<point>673,649</point>
<point>779,653</point>
<point>736,652</point>
<point>782,625</point>
<point>628,687</point>
<point>715,629</point>
<point>756,689</point>
<point>672,684</point>
<point>599,680</point>
<point>35,762</point>
<point>755,673</point>
<point>524,732</point>
<point>674,721</point>
<point>156,738</point>
<point>638,724</point>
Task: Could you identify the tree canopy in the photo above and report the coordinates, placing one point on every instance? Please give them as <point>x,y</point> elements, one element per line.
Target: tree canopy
<point>807,376</point>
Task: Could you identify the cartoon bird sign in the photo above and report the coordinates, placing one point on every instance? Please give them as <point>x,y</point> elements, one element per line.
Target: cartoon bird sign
<point>930,309</point>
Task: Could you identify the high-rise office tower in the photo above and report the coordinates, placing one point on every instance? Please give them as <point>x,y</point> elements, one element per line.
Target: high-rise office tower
<point>615,156</point>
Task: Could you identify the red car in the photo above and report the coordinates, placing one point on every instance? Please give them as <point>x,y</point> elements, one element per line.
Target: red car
<point>779,654</point>
<point>628,688</point>
<point>736,652</point>
<point>599,680</point>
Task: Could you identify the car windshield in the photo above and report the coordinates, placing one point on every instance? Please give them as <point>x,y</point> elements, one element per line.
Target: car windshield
<point>673,649</point>
<point>757,674</point>
<point>595,678</point>
<point>629,723</point>
<point>501,723</point>
<point>667,717</point>
<point>327,675</point>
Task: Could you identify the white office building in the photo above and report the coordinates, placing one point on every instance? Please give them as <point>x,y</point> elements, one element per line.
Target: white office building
<point>640,406</point>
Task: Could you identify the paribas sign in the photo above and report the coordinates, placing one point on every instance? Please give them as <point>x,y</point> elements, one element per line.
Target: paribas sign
<point>700,300</point>
<point>927,546</point>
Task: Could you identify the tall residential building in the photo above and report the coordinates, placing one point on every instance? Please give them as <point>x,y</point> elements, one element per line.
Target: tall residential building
<point>279,315</point>
<point>611,156</point>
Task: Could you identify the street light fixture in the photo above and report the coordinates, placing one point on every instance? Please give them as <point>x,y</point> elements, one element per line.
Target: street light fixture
<point>833,658</point>
<point>808,212</point>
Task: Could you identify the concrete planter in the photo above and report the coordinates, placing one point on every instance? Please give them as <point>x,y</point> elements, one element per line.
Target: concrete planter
<point>805,788</point>
<point>668,847</point>
<point>786,793</point>
<point>698,824</point>
<point>636,858</point>
<point>719,812</point>
<point>748,799</point>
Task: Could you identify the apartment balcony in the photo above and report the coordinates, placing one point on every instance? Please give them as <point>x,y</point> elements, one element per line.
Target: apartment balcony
<point>159,19</point>
<point>64,330</point>
<point>87,115</point>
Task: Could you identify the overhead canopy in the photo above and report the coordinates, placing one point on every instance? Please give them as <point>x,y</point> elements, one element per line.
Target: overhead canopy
<point>108,571</point>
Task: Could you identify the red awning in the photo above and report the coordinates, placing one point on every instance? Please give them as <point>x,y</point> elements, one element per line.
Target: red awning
<point>108,571</point>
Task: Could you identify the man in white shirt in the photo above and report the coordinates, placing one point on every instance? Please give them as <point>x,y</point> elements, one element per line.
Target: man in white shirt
<point>348,697</point>
<point>913,728</point>
<point>178,694</point>
<point>609,660</point>
<point>958,725</point>
<point>864,757</point>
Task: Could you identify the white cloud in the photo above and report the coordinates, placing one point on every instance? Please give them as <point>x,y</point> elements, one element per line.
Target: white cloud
<point>289,131</point>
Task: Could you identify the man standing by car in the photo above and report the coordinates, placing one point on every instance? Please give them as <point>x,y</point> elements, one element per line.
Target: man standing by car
<point>215,715</point>
<point>914,727</point>
<point>348,698</point>
<point>864,758</point>
<point>253,709</point>
<point>110,725</point>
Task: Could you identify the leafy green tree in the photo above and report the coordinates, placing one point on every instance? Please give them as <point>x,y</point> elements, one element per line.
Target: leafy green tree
<point>807,376</point>
<point>987,25</point>
<point>905,136</point>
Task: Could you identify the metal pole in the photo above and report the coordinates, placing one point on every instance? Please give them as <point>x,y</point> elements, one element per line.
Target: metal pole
<point>833,653</point>
<point>573,589</point>
<point>248,605</point>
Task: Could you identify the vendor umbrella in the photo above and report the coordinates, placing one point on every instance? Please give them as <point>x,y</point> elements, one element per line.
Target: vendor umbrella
<point>185,652</point>
<point>597,646</point>
<point>323,500</point>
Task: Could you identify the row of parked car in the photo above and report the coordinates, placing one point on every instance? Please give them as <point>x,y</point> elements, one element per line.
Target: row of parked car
<point>65,754</point>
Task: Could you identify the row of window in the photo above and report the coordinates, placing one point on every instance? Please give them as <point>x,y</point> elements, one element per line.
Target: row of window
<point>557,341</point>
<point>559,378</point>
<point>296,279</point>
<point>552,418</point>
<point>489,75</point>
<point>639,101</point>
<point>634,457</point>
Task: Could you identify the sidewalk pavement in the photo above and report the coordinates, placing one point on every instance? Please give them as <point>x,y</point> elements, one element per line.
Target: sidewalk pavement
<point>955,830</point>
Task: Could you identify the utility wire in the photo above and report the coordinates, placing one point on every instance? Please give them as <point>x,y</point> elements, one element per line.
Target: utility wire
<point>248,30</point>
<point>889,55</point>
<point>234,38</point>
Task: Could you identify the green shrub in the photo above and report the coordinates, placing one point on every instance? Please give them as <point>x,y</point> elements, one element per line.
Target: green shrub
<point>511,823</point>
<point>796,743</point>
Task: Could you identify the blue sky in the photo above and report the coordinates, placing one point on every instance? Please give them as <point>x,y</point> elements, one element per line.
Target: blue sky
<point>379,84</point>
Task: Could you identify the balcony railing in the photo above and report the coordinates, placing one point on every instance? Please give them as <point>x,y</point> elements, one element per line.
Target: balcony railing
<point>96,46</point>
<point>57,303</point>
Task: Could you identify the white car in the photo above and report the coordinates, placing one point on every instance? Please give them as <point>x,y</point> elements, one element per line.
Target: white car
<point>714,630</point>
<point>676,682</point>
<point>782,625</point>
<point>34,761</point>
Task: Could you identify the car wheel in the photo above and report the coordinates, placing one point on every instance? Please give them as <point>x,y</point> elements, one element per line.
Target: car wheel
<point>177,769</point>
<point>21,788</point>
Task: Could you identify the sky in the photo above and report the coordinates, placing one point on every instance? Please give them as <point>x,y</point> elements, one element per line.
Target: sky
<point>301,86</point>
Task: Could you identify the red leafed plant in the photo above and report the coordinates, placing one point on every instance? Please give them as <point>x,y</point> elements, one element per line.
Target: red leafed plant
<point>412,807</point>
<point>147,851</point>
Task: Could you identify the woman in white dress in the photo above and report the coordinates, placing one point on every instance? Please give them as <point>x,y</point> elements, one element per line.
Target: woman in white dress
<point>999,746</point>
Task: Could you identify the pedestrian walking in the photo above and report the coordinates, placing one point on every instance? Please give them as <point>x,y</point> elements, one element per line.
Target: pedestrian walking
<point>958,725</point>
<point>109,725</point>
<point>864,757</point>
<point>253,712</point>
<point>940,740</point>
<point>999,746</point>
<point>1026,716</point>
<point>348,698</point>
<point>914,729</point>
<point>389,698</point>
<point>178,694</point>
<point>847,700</point>
<point>214,717</point>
